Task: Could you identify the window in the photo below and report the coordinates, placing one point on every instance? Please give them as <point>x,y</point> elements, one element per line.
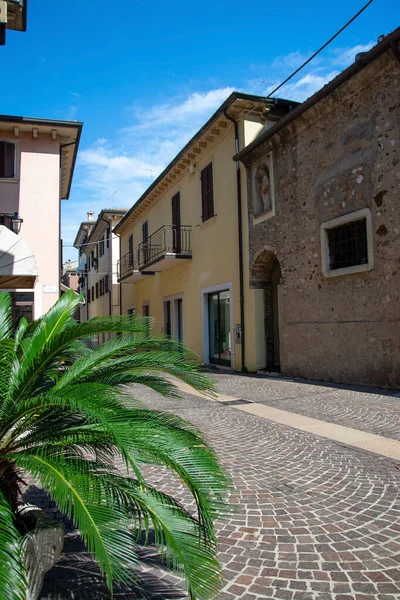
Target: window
<point>130,255</point>
<point>347,244</point>
<point>101,287</point>
<point>88,296</point>
<point>106,285</point>
<point>131,311</point>
<point>146,309</point>
<point>92,293</point>
<point>101,246</point>
<point>7,160</point>
<point>108,234</point>
<point>262,193</point>
<point>207,193</point>
<point>97,289</point>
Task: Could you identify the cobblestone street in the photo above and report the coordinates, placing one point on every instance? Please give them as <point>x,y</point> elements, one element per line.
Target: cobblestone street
<point>315,519</point>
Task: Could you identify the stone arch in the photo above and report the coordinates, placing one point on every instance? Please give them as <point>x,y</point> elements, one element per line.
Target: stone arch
<point>266,275</point>
<point>263,265</point>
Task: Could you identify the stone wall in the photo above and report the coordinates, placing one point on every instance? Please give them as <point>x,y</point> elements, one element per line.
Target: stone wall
<point>340,156</point>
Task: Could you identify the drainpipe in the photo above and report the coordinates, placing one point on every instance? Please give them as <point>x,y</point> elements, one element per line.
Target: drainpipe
<point>110,282</point>
<point>240,239</point>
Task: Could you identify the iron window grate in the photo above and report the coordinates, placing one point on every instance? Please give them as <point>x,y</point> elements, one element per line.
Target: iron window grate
<point>348,244</point>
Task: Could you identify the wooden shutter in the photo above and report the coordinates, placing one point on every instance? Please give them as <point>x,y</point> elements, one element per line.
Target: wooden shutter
<point>176,223</point>
<point>97,289</point>
<point>108,234</point>
<point>106,288</point>
<point>7,160</point>
<point>130,256</point>
<point>207,192</point>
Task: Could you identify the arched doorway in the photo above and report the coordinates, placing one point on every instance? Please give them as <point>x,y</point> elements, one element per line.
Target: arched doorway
<point>266,275</point>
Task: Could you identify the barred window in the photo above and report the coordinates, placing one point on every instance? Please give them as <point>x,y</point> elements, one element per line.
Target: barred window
<point>348,244</point>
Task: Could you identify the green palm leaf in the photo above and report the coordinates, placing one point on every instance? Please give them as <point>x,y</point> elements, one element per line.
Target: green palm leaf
<point>12,571</point>
<point>67,413</point>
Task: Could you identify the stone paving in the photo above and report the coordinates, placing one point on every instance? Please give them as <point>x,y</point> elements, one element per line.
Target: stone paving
<point>374,411</point>
<point>314,520</point>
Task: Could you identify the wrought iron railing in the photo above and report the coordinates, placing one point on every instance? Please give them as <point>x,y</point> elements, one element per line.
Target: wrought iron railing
<point>169,239</point>
<point>127,265</point>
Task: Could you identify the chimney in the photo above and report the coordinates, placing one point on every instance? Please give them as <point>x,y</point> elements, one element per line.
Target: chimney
<point>90,216</point>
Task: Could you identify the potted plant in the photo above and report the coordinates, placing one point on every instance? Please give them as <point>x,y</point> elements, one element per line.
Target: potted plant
<point>67,414</point>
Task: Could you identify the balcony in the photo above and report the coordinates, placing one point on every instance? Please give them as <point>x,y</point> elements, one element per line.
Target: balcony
<point>127,268</point>
<point>165,247</point>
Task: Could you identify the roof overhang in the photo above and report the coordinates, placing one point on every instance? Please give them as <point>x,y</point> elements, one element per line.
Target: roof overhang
<point>17,262</point>
<point>102,222</point>
<point>237,105</point>
<point>68,133</point>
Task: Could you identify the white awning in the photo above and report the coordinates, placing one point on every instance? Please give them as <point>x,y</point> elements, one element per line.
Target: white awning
<point>17,261</point>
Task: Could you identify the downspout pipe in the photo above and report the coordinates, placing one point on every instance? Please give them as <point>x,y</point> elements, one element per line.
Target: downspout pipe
<point>240,240</point>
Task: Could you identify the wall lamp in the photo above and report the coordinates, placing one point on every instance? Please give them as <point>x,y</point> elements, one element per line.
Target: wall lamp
<point>14,219</point>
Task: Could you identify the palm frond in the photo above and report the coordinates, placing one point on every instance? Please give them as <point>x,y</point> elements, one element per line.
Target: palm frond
<point>102,524</point>
<point>12,571</point>
<point>5,316</point>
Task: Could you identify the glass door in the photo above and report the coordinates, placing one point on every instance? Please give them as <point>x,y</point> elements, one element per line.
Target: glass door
<point>167,318</point>
<point>220,350</point>
<point>178,319</point>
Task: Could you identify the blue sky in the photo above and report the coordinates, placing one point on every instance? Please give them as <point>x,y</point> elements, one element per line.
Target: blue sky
<point>144,76</point>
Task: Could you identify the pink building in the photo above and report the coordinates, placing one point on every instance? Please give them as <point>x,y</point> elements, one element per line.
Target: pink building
<point>37,160</point>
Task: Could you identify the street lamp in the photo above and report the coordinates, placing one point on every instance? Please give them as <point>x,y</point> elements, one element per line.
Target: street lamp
<point>16,223</point>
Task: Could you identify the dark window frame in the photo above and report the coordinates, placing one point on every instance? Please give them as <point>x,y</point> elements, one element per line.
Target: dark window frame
<point>106,284</point>
<point>207,192</point>
<point>348,244</point>
<point>101,246</point>
<point>8,154</point>
<point>130,250</point>
<point>97,289</point>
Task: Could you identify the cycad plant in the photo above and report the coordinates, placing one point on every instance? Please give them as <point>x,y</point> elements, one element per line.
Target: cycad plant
<point>67,416</point>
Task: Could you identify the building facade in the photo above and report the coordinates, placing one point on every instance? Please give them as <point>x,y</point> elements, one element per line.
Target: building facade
<point>98,257</point>
<point>324,229</point>
<point>184,244</point>
<point>37,159</point>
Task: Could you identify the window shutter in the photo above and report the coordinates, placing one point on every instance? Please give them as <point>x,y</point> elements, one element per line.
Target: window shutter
<point>106,289</point>
<point>207,192</point>
<point>7,160</point>
<point>108,236</point>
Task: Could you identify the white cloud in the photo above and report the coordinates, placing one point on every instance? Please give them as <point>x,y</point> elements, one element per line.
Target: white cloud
<point>196,106</point>
<point>115,173</point>
<point>343,57</point>
<point>306,86</point>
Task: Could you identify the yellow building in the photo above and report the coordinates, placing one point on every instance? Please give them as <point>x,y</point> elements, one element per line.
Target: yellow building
<point>184,244</point>
<point>98,257</point>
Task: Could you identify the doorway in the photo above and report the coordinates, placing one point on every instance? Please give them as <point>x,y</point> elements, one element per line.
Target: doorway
<point>266,275</point>
<point>22,307</point>
<point>173,317</point>
<point>178,319</point>
<point>220,343</point>
<point>167,326</point>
